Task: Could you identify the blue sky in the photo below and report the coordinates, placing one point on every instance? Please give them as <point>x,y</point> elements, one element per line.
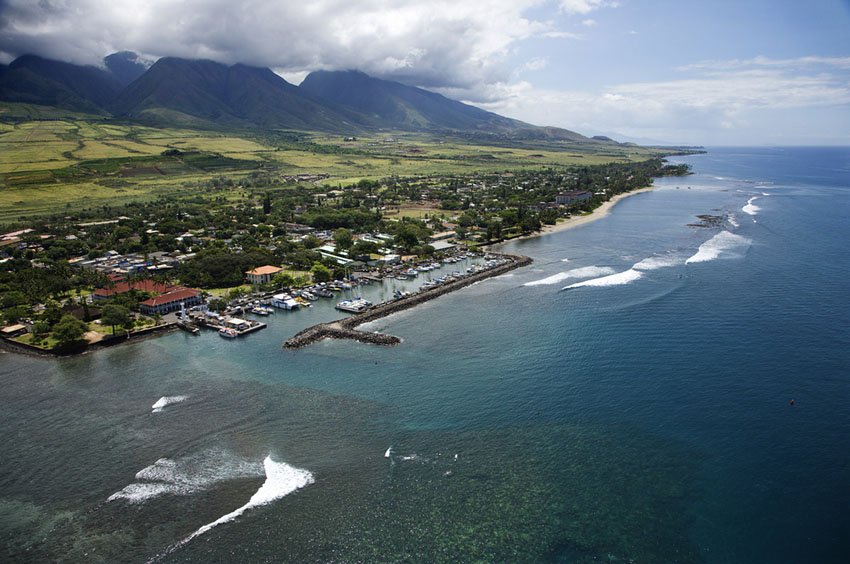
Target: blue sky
<point>713,73</point>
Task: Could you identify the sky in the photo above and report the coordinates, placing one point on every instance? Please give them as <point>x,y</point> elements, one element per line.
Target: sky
<point>723,72</point>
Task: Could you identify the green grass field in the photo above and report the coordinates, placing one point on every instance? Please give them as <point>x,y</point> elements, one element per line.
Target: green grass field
<point>53,161</point>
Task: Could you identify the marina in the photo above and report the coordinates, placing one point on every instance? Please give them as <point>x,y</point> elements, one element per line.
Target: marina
<point>347,328</point>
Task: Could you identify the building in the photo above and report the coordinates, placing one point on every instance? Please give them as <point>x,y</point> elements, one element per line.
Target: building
<point>172,300</point>
<point>147,285</point>
<point>572,197</point>
<point>262,274</point>
<point>13,330</point>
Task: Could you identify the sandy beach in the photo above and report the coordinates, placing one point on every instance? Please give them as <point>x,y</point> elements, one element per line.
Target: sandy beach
<point>579,220</point>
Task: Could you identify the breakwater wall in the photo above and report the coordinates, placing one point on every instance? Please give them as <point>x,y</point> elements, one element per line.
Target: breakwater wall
<point>347,328</point>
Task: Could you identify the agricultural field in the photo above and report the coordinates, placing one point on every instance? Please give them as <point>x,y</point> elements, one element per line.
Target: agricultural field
<point>55,162</point>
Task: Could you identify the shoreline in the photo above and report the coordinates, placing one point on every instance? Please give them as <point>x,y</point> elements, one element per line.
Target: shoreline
<point>577,221</point>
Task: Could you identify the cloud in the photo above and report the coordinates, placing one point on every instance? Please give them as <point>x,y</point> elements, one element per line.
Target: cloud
<point>536,64</point>
<point>702,107</point>
<point>585,6</point>
<point>561,35</point>
<point>799,63</point>
<point>442,43</point>
<point>588,22</point>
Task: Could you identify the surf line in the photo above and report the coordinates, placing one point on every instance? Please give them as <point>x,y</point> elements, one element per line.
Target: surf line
<point>281,480</point>
<point>346,328</point>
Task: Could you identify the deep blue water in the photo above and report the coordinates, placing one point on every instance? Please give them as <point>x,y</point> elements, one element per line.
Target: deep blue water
<point>646,416</point>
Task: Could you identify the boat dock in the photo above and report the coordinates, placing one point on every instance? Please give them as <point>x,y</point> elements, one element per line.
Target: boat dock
<point>239,326</point>
<point>347,328</point>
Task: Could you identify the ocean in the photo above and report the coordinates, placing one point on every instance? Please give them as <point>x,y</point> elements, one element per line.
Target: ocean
<point>655,387</point>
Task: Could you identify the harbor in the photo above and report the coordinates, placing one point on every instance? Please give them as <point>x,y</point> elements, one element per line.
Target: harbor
<point>347,328</point>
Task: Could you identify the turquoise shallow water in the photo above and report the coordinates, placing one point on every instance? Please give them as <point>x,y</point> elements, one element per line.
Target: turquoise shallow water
<point>644,416</point>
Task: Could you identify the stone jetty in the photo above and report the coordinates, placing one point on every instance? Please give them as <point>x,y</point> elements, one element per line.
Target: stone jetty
<point>347,328</point>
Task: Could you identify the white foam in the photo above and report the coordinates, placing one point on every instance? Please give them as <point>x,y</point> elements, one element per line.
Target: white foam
<point>656,262</point>
<point>389,452</point>
<point>583,272</point>
<point>719,245</point>
<point>186,475</point>
<point>281,480</point>
<point>750,208</point>
<point>618,279</point>
<point>733,221</point>
<point>565,260</point>
<point>166,401</point>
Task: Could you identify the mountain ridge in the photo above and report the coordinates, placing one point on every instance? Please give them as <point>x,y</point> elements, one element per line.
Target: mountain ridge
<point>207,92</point>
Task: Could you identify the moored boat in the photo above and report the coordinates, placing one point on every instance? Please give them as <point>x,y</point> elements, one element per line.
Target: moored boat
<point>228,333</point>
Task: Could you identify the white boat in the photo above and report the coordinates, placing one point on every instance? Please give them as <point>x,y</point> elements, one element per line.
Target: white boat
<point>354,306</point>
<point>228,333</point>
<point>285,301</point>
<point>261,310</point>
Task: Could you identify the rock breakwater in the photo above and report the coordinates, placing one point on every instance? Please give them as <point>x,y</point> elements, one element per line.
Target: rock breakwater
<point>347,328</point>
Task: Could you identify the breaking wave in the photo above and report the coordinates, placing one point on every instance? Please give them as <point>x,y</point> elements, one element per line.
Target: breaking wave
<point>281,479</point>
<point>187,475</point>
<point>656,262</point>
<point>583,272</point>
<point>617,279</point>
<point>750,208</point>
<point>166,401</point>
<point>717,246</point>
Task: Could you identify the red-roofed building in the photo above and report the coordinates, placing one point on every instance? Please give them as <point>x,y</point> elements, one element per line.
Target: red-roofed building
<point>172,300</point>
<point>262,274</point>
<point>149,286</point>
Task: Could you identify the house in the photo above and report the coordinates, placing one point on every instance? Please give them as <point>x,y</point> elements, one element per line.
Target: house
<point>13,330</point>
<point>173,300</point>
<point>572,197</point>
<point>262,274</point>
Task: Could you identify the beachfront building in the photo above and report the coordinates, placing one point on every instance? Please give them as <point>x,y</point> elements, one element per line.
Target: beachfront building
<point>173,300</point>
<point>572,197</point>
<point>262,274</point>
<point>123,286</point>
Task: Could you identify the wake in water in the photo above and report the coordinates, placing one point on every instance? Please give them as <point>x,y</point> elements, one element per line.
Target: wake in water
<point>165,401</point>
<point>281,480</point>
<point>187,475</point>
<point>722,244</point>
<point>584,272</point>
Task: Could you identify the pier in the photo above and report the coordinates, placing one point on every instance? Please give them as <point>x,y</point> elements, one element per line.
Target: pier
<point>347,328</point>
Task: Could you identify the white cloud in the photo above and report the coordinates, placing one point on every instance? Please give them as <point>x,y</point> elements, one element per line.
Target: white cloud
<point>536,64</point>
<point>711,106</point>
<point>766,62</point>
<point>561,35</point>
<point>442,43</point>
<point>588,22</point>
<point>585,6</point>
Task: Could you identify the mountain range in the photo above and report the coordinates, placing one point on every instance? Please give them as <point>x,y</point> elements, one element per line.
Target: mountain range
<point>204,93</point>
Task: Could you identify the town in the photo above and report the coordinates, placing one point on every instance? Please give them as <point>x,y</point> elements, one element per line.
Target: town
<point>262,239</point>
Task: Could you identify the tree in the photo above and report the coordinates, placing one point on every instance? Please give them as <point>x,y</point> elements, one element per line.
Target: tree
<point>343,238</point>
<point>39,330</point>
<point>267,204</point>
<point>406,237</point>
<point>320,272</point>
<point>69,331</point>
<point>283,280</point>
<point>115,315</point>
